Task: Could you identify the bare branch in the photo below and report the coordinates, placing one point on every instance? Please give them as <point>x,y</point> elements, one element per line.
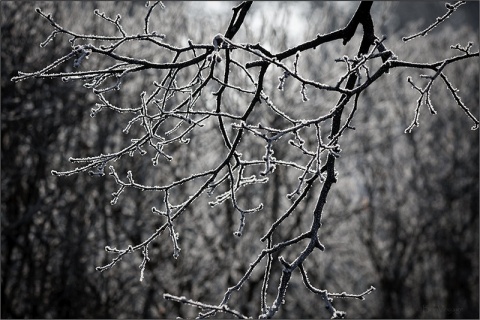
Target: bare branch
<point>451,8</point>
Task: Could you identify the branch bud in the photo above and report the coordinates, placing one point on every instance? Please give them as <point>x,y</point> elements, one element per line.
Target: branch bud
<point>218,41</point>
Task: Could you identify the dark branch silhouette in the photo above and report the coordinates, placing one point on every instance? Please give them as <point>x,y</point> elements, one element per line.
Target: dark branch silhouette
<point>168,112</point>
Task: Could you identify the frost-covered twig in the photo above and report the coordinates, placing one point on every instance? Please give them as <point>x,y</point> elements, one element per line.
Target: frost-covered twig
<point>451,8</point>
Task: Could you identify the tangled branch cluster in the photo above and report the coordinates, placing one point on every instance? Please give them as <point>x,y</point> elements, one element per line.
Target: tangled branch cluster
<point>164,123</point>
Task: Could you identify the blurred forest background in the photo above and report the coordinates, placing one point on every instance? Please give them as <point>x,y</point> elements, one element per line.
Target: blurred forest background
<point>403,216</point>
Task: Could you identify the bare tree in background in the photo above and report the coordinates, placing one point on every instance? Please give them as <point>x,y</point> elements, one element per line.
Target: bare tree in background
<point>222,90</point>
